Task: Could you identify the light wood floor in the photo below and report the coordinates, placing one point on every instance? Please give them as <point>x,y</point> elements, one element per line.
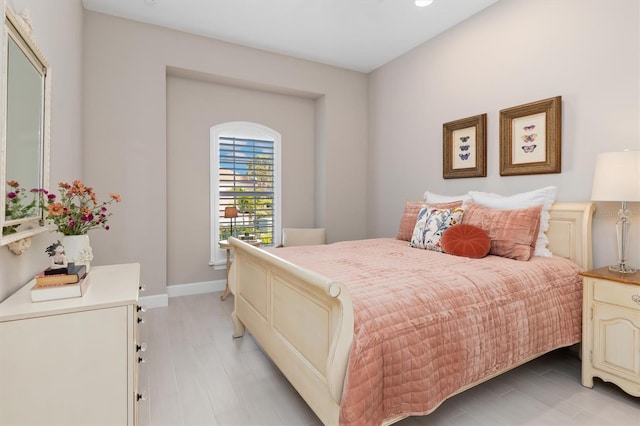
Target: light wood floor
<point>196,374</point>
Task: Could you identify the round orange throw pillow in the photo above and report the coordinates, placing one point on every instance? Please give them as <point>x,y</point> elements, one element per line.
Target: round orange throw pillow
<point>466,240</point>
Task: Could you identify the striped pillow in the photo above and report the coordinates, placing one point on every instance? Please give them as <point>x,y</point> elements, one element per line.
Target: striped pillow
<point>513,233</point>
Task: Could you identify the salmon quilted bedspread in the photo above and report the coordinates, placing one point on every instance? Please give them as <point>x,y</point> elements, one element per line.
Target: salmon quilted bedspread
<point>429,324</point>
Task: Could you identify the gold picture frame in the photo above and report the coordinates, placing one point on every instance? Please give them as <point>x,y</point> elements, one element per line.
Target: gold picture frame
<point>530,138</point>
<point>464,148</point>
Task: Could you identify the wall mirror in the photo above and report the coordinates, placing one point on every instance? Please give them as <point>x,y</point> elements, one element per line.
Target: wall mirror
<point>24,132</point>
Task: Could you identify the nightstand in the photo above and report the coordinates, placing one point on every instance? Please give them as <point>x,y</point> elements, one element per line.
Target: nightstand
<point>224,244</point>
<point>611,329</point>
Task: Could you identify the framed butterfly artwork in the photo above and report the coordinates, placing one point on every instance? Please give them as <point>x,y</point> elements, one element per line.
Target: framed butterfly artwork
<point>530,138</point>
<point>464,147</point>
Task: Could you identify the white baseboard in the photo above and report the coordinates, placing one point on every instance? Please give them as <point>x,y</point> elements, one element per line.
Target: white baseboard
<point>195,288</point>
<point>162,300</point>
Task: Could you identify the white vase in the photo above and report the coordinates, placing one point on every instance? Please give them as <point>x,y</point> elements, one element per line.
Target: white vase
<point>77,249</point>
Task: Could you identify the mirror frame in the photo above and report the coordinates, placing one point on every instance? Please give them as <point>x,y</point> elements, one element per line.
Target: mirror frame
<point>20,30</point>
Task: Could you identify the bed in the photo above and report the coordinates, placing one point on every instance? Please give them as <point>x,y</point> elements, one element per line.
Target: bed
<point>315,316</point>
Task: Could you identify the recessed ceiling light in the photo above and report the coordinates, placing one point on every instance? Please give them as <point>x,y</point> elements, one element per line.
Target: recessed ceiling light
<point>423,3</point>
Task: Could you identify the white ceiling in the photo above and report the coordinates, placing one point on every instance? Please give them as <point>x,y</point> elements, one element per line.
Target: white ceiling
<point>356,34</point>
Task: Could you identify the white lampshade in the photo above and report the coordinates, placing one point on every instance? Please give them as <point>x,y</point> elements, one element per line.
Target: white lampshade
<point>617,177</point>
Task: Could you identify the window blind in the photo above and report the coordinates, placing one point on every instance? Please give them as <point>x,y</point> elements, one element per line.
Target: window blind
<point>246,181</point>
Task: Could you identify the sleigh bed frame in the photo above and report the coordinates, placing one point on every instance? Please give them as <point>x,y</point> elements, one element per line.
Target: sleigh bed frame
<point>313,354</point>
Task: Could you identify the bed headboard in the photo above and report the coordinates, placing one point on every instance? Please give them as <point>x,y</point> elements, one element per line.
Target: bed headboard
<point>570,232</point>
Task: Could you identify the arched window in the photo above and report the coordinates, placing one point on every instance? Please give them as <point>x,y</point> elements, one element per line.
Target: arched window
<point>245,184</point>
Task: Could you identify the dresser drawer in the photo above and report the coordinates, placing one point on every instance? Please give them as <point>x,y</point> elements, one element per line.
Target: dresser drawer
<point>617,294</point>
<point>72,361</point>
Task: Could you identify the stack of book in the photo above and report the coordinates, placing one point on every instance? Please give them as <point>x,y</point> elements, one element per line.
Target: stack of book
<point>52,284</point>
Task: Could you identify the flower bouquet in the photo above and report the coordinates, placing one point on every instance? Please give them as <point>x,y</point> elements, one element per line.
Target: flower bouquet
<point>76,210</point>
<point>16,206</point>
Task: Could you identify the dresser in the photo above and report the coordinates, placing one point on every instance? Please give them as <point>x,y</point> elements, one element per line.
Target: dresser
<point>73,361</point>
<point>611,329</point>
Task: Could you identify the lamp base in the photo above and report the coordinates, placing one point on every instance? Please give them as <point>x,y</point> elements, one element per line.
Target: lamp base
<point>622,268</point>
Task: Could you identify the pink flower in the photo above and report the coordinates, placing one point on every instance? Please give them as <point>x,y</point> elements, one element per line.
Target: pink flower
<point>87,218</point>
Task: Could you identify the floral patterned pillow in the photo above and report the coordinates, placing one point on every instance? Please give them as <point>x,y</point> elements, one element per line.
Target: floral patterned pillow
<point>431,224</point>
<point>410,216</point>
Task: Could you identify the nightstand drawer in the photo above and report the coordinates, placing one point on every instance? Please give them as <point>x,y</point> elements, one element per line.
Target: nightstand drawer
<point>611,329</point>
<point>617,294</point>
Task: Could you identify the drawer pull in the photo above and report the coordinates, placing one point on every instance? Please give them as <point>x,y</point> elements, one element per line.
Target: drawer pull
<point>141,360</point>
<point>140,320</point>
<point>142,347</point>
<point>141,396</point>
<point>636,298</point>
<point>141,288</point>
<point>141,308</point>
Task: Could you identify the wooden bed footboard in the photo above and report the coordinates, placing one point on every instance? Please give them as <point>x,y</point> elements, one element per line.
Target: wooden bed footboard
<point>302,320</point>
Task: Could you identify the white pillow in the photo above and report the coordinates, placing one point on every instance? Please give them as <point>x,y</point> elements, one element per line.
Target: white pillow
<point>545,196</point>
<point>431,197</point>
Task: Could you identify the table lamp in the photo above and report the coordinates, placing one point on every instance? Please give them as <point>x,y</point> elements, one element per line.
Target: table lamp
<point>231,213</point>
<point>617,178</point>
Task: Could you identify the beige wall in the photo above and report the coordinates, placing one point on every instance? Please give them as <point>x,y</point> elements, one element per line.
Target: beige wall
<point>512,53</point>
<point>126,141</point>
<point>515,52</point>
<point>62,46</point>
<point>193,107</point>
